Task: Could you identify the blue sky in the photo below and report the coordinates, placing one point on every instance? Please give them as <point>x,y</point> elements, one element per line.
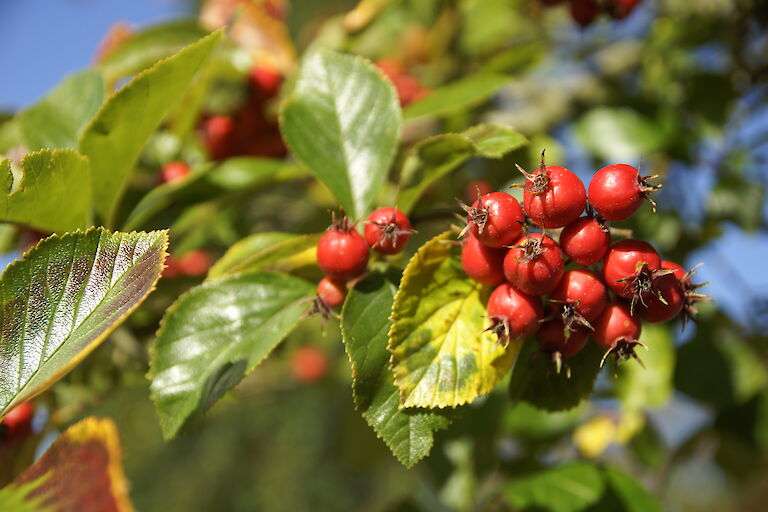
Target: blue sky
<point>43,40</point>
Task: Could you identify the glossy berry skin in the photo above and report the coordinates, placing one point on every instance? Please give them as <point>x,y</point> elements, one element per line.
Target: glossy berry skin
<point>309,364</point>
<point>560,201</point>
<point>522,312</point>
<point>387,230</point>
<point>680,272</point>
<point>624,261</point>
<point>18,422</point>
<point>616,324</point>
<point>584,12</point>
<point>585,241</point>
<point>551,338</point>
<point>499,222</point>
<point>482,263</point>
<point>615,191</point>
<point>342,254</point>
<point>537,274</point>
<point>174,171</point>
<point>654,310</point>
<point>584,291</point>
<point>331,293</point>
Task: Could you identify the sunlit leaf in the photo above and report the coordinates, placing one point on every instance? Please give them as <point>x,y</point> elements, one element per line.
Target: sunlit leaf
<point>63,299</point>
<point>460,95</point>
<point>273,251</point>
<point>440,355</point>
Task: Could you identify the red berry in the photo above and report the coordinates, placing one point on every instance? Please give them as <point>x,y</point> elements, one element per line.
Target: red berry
<point>584,12</point>
<point>265,81</point>
<point>585,241</point>
<point>172,268</point>
<point>495,219</point>
<point>18,422</point>
<point>482,263</point>
<point>331,293</point>
<point>309,364</point>
<point>679,273</point>
<point>195,263</point>
<point>617,191</point>
<point>218,134</point>
<point>513,314</point>
<point>342,253</point>
<point>174,171</point>
<point>580,297</point>
<point>617,331</point>
<point>554,196</point>
<point>476,189</point>
<point>671,289</point>
<point>552,339</point>
<point>620,9</point>
<point>630,268</point>
<point>387,230</point>
<point>535,264</point>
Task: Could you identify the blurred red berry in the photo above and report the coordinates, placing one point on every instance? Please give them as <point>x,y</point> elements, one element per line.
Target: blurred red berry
<point>331,293</point>
<point>18,422</point>
<point>309,364</point>
<point>218,135</point>
<point>174,171</point>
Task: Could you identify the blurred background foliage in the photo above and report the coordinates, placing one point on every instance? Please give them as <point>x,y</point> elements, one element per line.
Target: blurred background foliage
<point>679,88</point>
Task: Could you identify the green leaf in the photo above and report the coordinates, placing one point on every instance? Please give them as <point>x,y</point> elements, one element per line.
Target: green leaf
<point>618,135</point>
<point>274,251</point>
<point>568,488</point>
<point>144,48</point>
<point>633,496</point>
<point>409,433</point>
<point>19,497</point>
<point>457,96</point>
<point>342,121</point>
<point>232,177</point>
<point>440,355</point>
<point>51,194</point>
<point>640,388</point>
<point>59,118</point>
<point>214,335</point>
<point>535,381</point>
<point>114,138</point>
<point>433,158</point>
<point>64,298</point>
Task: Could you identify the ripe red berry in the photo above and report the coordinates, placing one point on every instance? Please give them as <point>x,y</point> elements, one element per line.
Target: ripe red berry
<point>218,134</point>
<point>195,262</point>
<point>309,364</point>
<point>342,253</point>
<point>331,293</point>
<point>535,264</point>
<point>679,271</point>
<point>617,191</point>
<point>18,422</point>
<point>580,298</point>
<point>552,339</point>
<point>630,269</point>
<point>584,12</point>
<point>265,81</point>
<point>476,189</point>
<point>174,171</point>
<point>617,332</point>
<point>495,219</point>
<point>554,196</point>
<point>482,263</point>
<point>585,241</point>
<point>172,268</point>
<point>669,288</point>
<point>387,230</point>
<point>513,314</point>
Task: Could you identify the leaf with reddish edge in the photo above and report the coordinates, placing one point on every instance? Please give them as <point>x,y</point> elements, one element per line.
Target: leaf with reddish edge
<point>64,298</point>
<point>81,472</point>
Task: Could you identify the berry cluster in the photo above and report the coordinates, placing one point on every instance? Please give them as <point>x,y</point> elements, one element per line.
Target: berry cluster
<point>342,253</point>
<point>584,12</point>
<point>632,284</point>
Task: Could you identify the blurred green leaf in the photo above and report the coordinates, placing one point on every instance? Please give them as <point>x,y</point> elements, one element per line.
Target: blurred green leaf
<point>273,251</point>
<point>114,138</point>
<point>433,158</point>
<point>640,388</point>
<point>568,488</point>
<point>58,119</point>
<point>441,354</point>
<point>18,499</point>
<point>342,121</point>
<point>632,496</point>
<point>215,334</point>
<point>144,48</point>
<point>535,381</point>
<point>409,433</point>
<point>525,420</point>
<point>64,298</point>
<point>619,134</point>
<point>462,94</point>
<point>52,193</point>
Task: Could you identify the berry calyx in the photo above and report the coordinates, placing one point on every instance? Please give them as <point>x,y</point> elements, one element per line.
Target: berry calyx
<point>174,171</point>
<point>553,196</point>
<point>559,347</point>
<point>482,263</point>
<point>691,295</point>
<point>534,264</point>
<point>496,219</point>
<point>476,189</point>
<point>387,230</point>
<point>668,301</point>
<point>617,191</point>
<point>630,270</point>
<point>585,240</point>
<point>617,331</point>
<point>579,298</point>
<point>342,254</point>
<point>309,364</point>
<point>513,314</point>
